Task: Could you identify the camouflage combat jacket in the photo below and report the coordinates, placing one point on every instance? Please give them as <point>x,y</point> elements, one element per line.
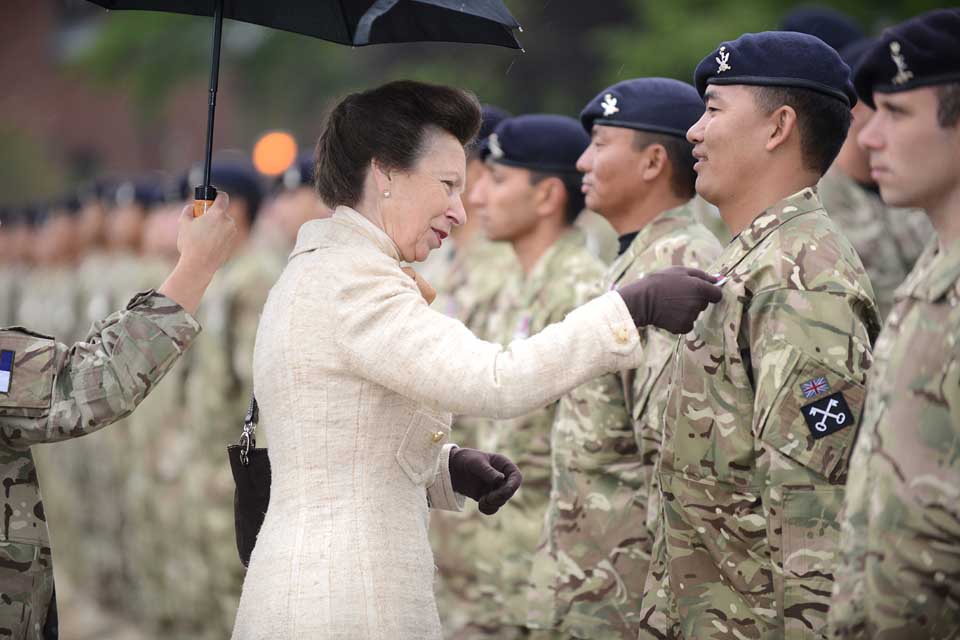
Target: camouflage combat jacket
<point>561,280</point>
<point>592,562</point>
<point>50,391</point>
<point>474,277</point>
<point>900,538</point>
<point>888,240</point>
<point>759,424</point>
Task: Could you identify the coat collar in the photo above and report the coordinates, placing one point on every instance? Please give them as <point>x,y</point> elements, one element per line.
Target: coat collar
<point>346,228</point>
<point>935,274</point>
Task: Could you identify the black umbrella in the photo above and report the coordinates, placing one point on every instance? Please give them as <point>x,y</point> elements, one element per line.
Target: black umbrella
<point>353,22</point>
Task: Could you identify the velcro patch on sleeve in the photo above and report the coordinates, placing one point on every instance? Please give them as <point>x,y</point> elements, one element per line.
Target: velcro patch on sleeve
<point>828,415</point>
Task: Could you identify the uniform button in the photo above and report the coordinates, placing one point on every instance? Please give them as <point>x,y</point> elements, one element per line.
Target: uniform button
<point>438,436</point>
<point>622,334</point>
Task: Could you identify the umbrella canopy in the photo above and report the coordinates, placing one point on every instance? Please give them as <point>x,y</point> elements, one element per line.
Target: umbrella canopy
<point>358,22</point>
<point>350,22</point>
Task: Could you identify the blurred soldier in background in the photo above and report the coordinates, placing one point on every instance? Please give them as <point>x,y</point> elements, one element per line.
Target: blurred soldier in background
<point>204,579</point>
<point>477,271</point>
<point>15,242</point>
<point>49,300</point>
<point>888,240</point>
<point>294,201</point>
<point>530,198</point>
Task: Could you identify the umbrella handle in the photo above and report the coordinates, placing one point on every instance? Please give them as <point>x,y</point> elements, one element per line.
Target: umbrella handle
<point>203,200</point>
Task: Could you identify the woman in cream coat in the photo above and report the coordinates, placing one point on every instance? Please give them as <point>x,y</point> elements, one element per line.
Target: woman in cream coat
<point>357,377</point>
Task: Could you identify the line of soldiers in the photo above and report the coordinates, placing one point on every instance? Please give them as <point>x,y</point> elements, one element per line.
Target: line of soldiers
<point>706,494</point>
<point>142,514</point>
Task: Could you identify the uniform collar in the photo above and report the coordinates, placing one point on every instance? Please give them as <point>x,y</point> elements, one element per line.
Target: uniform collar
<point>772,218</point>
<point>935,274</point>
<point>346,228</point>
<point>665,223</point>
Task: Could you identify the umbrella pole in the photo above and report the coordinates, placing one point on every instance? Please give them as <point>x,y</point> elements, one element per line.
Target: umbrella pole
<point>206,193</point>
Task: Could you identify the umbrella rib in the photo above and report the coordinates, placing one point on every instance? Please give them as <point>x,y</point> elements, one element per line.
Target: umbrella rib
<point>365,26</point>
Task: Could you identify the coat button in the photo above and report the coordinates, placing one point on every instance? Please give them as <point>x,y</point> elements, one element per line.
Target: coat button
<point>438,436</point>
<point>622,334</point>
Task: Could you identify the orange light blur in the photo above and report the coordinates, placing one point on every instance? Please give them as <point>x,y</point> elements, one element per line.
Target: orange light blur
<point>274,152</point>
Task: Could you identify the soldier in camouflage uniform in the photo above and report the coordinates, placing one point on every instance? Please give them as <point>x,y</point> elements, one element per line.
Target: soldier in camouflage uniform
<point>888,240</point>
<point>766,390</point>
<point>531,198</point>
<point>467,289</point>
<point>50,392</point>
<point>592,561</point>
<point>899,569</point>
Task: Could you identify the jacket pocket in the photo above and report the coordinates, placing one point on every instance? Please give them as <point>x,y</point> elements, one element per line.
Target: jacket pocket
<point>419,452</point>
<point>814,420</point>
<point>28,375</point>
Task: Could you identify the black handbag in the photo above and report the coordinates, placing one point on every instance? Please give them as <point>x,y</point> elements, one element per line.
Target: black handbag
<point>251,473</point>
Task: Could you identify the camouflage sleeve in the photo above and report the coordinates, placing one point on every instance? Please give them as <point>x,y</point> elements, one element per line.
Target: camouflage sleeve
<point>809,353</point>
<point>901,542</point>
<point>102,379</point>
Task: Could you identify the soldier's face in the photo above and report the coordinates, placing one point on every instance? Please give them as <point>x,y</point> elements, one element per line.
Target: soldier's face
<point>729,143</point>
<point>425,202</point>
<point>504,201</point>
<point>612,171</point>
<point>914,160</point>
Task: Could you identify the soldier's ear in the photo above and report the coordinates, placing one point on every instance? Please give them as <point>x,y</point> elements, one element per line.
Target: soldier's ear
<point>654,162</point>
<point>783,125</point>
<point>550,195</point>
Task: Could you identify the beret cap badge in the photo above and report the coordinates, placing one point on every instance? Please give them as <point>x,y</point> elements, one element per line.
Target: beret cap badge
<point>903,73</point>
<point>493,142</point>
<point>722,60</point>
<point>609,105</point>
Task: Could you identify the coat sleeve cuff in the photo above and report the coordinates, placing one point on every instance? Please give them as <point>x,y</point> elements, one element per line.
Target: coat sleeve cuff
<point>440,494</point>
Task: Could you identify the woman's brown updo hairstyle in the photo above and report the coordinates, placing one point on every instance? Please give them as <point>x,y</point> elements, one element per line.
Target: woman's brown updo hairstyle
<point>387,124</point>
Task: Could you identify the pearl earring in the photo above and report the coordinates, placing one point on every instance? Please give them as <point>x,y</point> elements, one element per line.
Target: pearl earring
<point>386,194</point>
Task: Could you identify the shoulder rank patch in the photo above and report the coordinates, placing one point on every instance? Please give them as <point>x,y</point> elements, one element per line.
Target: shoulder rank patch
<point>827,415</point>
<point>6,370</point>
<point>816,387</point>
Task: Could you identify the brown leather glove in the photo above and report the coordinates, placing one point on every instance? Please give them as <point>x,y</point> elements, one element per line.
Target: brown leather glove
<point>489,478</point>
<point>671,298</point>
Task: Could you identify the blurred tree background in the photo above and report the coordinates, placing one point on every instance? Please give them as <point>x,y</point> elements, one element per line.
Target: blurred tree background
<point>277,80</point>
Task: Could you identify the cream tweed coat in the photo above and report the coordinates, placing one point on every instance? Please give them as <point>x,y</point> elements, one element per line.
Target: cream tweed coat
<point>356,378</point>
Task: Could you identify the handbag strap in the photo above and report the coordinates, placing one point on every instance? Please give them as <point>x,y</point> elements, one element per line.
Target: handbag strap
<point>248,439</point>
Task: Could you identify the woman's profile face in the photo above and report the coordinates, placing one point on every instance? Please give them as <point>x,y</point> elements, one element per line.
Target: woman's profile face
<point>425,202</point>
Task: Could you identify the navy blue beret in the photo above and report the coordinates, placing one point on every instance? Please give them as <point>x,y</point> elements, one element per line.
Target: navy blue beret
<point>778,59</point>
<point>920,52</point>
<point>141,192</point>
<point>491,116</point>
<point>835,28</point>
<point>300,173</point>
<point>239,181</point>
<point>659,105</point>
<point>854,52</point>
<point>540,142</point>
